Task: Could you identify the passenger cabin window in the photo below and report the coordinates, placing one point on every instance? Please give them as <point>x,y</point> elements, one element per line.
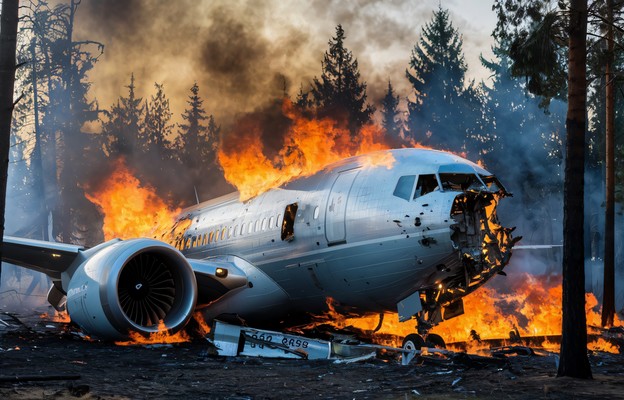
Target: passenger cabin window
<point>426,184</point>
<point>288,225</point>
<point>404,187</point>
<point>460,182</point>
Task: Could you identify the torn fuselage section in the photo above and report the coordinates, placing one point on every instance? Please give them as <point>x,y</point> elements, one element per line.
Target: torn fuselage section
<point>483,249</point>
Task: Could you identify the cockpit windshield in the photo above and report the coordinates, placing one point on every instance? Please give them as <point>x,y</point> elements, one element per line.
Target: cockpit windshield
<point>451,181</point>
<point>460,182</point>
<point>492,183</point>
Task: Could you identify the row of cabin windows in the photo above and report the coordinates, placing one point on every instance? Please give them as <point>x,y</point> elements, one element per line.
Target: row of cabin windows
<point>223,233</point>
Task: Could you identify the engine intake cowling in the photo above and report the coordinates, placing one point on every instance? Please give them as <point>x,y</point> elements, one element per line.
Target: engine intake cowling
<point>134,285</point>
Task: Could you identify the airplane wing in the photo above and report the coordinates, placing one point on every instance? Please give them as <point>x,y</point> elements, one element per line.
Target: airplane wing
<point>48,257</point>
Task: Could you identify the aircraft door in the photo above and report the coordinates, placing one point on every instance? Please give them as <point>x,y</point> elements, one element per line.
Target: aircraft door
<point>335,215</point>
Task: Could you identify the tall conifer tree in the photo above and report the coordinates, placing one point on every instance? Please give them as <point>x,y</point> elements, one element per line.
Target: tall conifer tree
<point>391,120</point>
<point>442,113</point>
<point>338,93</point>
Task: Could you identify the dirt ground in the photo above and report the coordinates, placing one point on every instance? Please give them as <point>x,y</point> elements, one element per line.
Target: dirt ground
<point>40,359</point>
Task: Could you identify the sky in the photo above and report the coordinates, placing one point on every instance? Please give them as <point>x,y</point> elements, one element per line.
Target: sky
<point>243,54</point>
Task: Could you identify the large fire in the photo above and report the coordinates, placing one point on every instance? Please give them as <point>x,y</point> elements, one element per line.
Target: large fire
<point>529,305</point>
<point>130,208</point>
<point>309,145</point>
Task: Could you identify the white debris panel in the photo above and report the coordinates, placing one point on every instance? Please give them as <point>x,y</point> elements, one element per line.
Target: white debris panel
<point>233,340</point>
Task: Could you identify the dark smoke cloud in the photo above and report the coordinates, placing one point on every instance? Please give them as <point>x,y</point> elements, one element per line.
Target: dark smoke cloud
<point>222,46</point>
<point>243,54</point>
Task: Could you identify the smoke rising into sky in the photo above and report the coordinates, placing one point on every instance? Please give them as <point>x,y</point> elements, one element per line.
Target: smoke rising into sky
<point>244,54</point>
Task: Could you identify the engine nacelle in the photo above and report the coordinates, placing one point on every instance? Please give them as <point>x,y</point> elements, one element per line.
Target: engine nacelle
<point>131,285</point>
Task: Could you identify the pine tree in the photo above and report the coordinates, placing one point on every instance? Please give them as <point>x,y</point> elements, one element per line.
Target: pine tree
<point>196,143</point>
<point>193,131</point>
<point>442,112</point>
<point>122,127</point>
<point>158,128</point>
<point>303,100</point>
<point>195,148</point>
<point>339,93</point>
<point>391,119</point>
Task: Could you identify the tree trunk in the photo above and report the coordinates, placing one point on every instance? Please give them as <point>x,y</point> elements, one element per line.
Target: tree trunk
<point>573,360</point>
<point>8,38</point>
<point>37,158</point>
<point>608,299</point>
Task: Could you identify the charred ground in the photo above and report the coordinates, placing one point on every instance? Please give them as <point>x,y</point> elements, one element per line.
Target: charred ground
<point>42,359</point>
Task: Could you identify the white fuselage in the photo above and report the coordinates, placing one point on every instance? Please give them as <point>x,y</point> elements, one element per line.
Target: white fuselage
<point>353,238</point>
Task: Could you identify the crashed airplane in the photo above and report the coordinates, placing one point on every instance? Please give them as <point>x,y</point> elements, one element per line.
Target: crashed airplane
<point>412,233</point>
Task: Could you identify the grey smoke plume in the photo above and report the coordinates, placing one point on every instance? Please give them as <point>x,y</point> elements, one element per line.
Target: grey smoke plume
<point>244,53</point>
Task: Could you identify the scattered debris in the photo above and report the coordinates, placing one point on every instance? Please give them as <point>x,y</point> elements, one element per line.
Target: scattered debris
<point>506,350</point>
<point>233,340</point>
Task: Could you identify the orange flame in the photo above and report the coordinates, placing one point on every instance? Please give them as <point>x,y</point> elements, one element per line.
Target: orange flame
<point>309,145</point>
<point>160,337</point>
<point>203,328</point>
<point>531,304</point>
<point>130,208</point>
<point>56,316</point>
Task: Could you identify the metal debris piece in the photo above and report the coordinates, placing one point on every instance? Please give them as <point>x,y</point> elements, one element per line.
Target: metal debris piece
<point>501,352</point>
<point>233,340</point>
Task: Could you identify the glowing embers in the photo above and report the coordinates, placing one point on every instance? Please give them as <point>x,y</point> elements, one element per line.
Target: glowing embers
<point>56,316</point>
<point>130,208</point>
<point>309,144</point>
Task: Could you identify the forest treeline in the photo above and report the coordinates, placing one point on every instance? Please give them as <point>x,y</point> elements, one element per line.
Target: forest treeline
<point>57,155</point>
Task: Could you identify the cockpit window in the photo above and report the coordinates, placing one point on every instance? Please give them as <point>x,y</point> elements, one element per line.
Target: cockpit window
<point>426,184</point>
<point>492,183</point>
<point>404,187</point>
<point>460,182</point>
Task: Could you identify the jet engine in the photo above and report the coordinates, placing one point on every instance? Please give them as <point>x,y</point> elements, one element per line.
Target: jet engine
<point>140,285</point>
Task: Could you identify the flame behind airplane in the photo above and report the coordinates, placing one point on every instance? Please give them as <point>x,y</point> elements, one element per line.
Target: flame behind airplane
<point>408,230</point>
